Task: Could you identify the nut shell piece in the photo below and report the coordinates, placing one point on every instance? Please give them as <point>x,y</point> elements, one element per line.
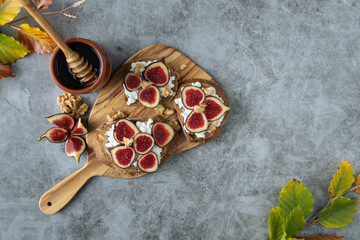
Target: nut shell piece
<point>62,120</point>
<point>149,97</point>
<point>55,135</point>
<point>214,109</point>
<point>74,147</point>
<point>124,128</point>
<point>148,163</point>
<point>157,73</point>
<point>143,143</point>
<point>163,133</point>
<point>196,122</point>
<point>192,96</point>
<point>123,156</point>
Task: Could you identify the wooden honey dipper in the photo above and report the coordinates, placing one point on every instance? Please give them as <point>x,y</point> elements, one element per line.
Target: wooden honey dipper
<point>80,66</point>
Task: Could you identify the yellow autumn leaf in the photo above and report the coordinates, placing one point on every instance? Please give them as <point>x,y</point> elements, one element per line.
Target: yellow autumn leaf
<point>10,49</point>
<point>34,39</point>
<point>343,179</point>
<point>8,10</point>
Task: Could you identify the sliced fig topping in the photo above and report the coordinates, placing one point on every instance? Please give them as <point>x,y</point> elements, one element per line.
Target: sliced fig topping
<point>192,96</point>
<point>148,163</point>
<point>62,120</point>
<point>196,122</point>
<point>157,73</point>
<point>132,81</point>
<point>55,135</point>
<point>79,128</point>
<point>214,109</point>
<point>149,97</point>
<point>74,147</point>
<point>123,156</point>
<point>163,133</point>
<point>124,128</point>
<point>143,143</point>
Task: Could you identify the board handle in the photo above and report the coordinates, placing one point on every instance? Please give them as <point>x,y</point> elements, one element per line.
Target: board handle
<point>58,196</point>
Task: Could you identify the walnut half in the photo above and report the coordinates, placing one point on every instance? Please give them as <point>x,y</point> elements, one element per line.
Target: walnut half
<point>72,105</point>
<point>115,115</point>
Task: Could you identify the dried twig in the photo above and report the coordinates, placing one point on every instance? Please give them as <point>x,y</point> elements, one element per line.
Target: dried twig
<point>63,12</point>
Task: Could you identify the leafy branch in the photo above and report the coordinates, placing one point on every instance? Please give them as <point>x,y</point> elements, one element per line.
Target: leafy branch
<point>30,39</point>
<point>296,204</point>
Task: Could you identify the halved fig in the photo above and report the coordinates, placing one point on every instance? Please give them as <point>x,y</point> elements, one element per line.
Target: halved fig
<point>214,109</point>
<point>74,147</point>
<point>196,122</point>
<point>192,96</point>
<point>79,128</point>
<point>143,143</point>
<point>62,120</point>
<point>157,73</point>
<point>132,81</point>
<point>55,135</point>
<point>149,97</point>
<point>123,156</point>
<point>124,128</point>
<point>148,163</point>
<point>163,133</point>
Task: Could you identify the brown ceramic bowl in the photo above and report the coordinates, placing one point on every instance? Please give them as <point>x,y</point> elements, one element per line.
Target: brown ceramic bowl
<point>104,67</point>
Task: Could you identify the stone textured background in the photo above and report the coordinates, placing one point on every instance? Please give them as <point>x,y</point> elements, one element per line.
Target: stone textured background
<point>291,70</point>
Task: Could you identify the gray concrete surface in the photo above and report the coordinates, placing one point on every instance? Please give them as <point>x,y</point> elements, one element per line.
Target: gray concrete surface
<point>291,70</point>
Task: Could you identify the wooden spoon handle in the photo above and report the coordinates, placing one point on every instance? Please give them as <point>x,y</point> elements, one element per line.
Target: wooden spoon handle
<point>35,13</point>
<point>58,196</point>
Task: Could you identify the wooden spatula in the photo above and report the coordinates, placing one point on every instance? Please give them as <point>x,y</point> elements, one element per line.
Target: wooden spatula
<point>82,69</point>
<point>112,97</point>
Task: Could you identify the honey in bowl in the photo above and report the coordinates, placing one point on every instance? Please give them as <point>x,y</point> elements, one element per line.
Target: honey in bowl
<point>66,76</point>
<point>94,53</point>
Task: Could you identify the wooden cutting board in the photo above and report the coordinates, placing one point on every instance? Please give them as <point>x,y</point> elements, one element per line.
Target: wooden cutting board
<point>112,98</point>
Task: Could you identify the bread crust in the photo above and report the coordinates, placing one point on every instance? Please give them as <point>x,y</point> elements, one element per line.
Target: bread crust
<point>103,154</point>
<point>172,73</point>
<point>208,135</point>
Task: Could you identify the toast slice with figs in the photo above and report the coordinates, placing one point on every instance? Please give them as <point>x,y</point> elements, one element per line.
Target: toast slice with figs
<point>150,82</point>
<point>111,137</point>
<point>202,108</point>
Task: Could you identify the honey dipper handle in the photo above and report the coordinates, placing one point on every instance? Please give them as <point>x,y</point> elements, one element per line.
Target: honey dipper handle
<point>35,13</point>
<point>58,196</point>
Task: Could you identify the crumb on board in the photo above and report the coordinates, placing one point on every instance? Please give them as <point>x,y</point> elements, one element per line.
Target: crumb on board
<point>183,66</point>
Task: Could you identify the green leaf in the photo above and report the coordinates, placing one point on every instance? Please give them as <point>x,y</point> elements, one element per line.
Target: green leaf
<point>343,179</point>
<point>276,224</point>
<point>295,222</point>
<point>10,49</point>
<point>296,194</point>
<point>339,214</point>
<point>8,10</point>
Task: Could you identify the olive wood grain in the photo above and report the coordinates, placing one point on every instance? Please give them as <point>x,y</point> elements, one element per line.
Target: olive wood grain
<point>112,98</point>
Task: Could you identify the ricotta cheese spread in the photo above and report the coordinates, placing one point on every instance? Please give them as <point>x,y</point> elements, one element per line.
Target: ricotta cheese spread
<point>111,142</point>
